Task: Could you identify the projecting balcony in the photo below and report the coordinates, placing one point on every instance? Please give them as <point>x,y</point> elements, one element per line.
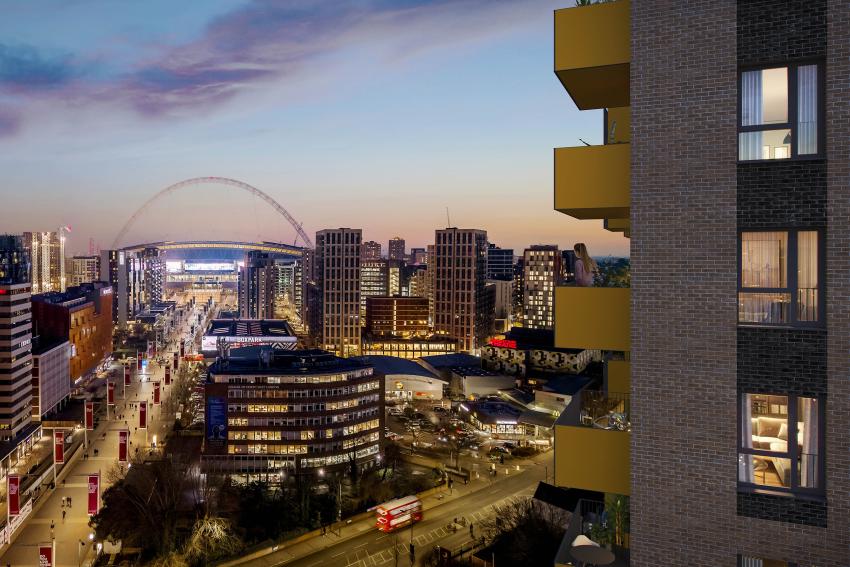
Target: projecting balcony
<point>596,318</point>
<point>592,443</point>
<point>593,182</point>
<point>593,53</point>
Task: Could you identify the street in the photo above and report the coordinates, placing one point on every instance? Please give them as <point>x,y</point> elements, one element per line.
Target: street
<point>73,536</point>
<point>362,545</point>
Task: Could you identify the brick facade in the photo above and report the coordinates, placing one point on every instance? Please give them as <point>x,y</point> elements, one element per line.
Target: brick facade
<point>771,31</point>
<point>790,194</point>
<point>689,357</point>
<point>684,282</point>
<point>782,361</point>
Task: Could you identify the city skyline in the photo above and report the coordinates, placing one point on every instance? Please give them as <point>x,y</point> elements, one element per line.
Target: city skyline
<point>343,115</point>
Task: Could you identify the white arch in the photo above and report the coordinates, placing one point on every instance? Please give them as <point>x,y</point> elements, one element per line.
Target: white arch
<point>220,181</point>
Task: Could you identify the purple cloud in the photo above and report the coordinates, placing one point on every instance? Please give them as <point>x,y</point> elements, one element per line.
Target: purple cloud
<point>10,123</point>
<point>262,41</point>
<point>23,69</point>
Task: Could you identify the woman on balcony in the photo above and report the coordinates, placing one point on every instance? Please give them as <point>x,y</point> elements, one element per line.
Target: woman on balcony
<point>586,267</point>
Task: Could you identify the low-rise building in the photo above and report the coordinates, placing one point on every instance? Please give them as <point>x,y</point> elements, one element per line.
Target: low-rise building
<point>411,348</point>
<point>525,352</point>
<point>472,382</point>
<point>271,412</point>
<point>238,333</point>
<point>494,417</point>
<point>51,372</point>
<point>82,315</point>
<point>402,317</point>
<point>404,379</point>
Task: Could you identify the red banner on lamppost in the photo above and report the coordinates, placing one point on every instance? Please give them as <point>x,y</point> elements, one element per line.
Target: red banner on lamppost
<point>89,415</point>
<point>143,415</point>
<point>123,439</point>
<point>13,489</point>
<point>94,494</point>
<point>110,393</point>
<point>58,446</point>
<point>182,349</point>
<point>176,360</point>
<point>167,375</point>
<point>139,357</point>
<point>156,393</point>
<point>45,556</point>
<point>126,375</point>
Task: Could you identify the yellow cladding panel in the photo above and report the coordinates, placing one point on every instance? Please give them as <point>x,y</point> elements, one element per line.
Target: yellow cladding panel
<point>592,182</point>
<point>593,318</point>
<point>593,53</point>
<point>592,459</point>
<point>619,376</point>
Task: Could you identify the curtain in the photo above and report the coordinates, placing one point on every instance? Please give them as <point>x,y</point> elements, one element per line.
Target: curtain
<point>807,275</point>
<point>763,259</point>
<point>809,456</point>
<point>749,143</point>
<point>807,109</point>
<point>745,462</point>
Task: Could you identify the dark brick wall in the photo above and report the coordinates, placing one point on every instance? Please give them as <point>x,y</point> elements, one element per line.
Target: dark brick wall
<point>684,283</point>
<point>771,31</point>
<point>782,361</point>
<point>782,194</point>
<point>783,509</point>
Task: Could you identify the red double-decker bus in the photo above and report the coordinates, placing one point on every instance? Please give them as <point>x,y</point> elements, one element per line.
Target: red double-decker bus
<point>398,513</point>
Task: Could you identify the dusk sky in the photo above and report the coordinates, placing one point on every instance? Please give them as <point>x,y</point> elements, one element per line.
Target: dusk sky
<point>370,114</point>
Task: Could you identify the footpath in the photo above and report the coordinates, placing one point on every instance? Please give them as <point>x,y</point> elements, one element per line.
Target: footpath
<point>311,542</point>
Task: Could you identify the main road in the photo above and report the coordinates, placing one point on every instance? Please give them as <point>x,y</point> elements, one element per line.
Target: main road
<point>72,534</point>
<point>362,545</point>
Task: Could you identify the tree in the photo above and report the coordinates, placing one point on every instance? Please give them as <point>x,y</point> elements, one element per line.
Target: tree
<point>211,539</point>
<point>525,532</point>
<point>141,508</point>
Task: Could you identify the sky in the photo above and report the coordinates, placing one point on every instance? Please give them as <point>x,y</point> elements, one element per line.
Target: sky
<point>373,114</point>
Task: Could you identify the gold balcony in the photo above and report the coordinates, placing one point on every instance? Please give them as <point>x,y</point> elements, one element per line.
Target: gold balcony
<point>593,182</point>
<point>593,53</point>
<point>593,318</point>
<point>592,459</point>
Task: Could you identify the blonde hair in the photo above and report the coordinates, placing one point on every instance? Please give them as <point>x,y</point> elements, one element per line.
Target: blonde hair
<point>581,254</point>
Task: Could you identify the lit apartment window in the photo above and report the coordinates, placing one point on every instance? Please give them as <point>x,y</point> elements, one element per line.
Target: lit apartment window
<point>780,443</point>
<point>780,111</point>
<point>779,278</point>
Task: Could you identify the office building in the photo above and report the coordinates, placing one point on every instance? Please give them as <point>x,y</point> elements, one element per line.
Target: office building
<point>503,297</point>
<point>519,290</point>
<point>270,413</point>
<point>500,262</point>
<point>51,371</point>
<point>418,256</point>
<point>47,257</point>
<point>568,264</point>
<point>374,282</point>
<point>461,301</point>
<point>124,271</point>
<point>257,286</point>
<point>15,338</point>
<point>394,277</point>
<point>154,267</point>
<point>403,317</point>
<point>371,250</point>
<point>410,348</point>
<point>396,249</point>
<point>83,269</point>
<point>543,271</point>
<point>288,290</point>
<point>82,316</point>
<point>338,282</point>
<point>727,422</point>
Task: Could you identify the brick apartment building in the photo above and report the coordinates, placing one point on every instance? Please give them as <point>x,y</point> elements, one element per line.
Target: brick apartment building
<point>725,159</point>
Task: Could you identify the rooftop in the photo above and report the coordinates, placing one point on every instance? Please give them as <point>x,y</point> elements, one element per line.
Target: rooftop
<point>268,360</point>
<point>250,328</point>
<point>465,371</point>
<point>446,361</point>
<point>391,365</point>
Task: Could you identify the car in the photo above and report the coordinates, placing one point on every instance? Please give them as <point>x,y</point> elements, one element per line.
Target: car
<point>500,449</point>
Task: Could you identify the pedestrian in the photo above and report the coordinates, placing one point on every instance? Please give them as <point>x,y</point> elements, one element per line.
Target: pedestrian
<point>69,502</point>
<point>51,525</point>
<point>63,516</point>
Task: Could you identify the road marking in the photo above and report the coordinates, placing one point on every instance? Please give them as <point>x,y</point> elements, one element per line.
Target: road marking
<point>338,554</point>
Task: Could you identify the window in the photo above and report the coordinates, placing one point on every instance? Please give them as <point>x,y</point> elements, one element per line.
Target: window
<point>780,443</point>
<point>779,278</point>
<point>780,110</point>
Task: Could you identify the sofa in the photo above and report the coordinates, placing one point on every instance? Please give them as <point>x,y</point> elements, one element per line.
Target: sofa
<point>771,434</point>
